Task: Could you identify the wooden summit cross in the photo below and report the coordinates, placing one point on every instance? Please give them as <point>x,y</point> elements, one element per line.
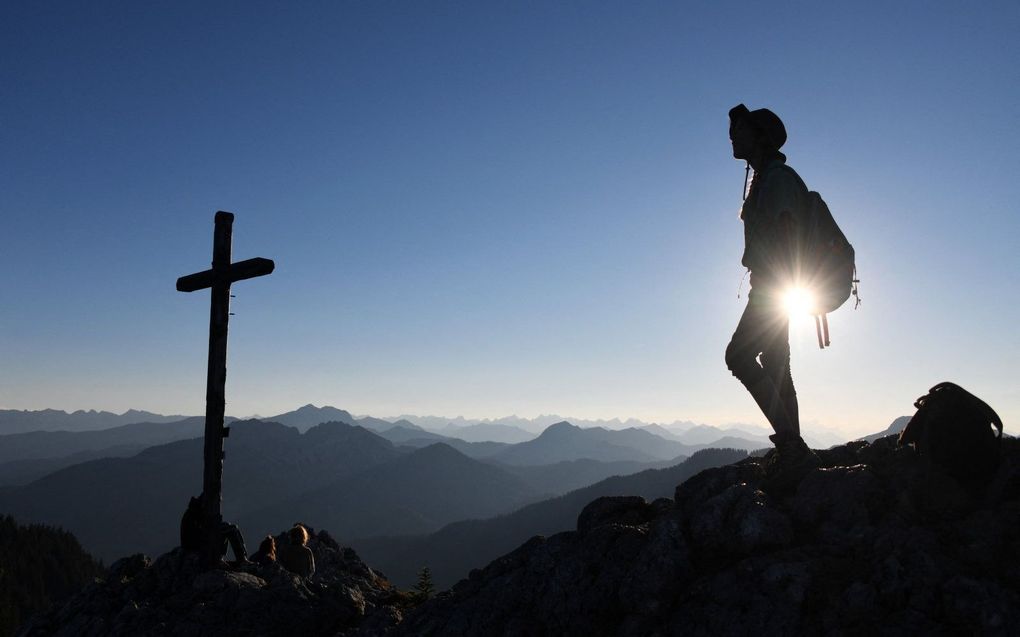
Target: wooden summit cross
<point>219,278</point>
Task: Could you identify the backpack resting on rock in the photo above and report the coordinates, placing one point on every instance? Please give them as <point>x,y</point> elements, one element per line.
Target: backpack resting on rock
<point>953,430</point>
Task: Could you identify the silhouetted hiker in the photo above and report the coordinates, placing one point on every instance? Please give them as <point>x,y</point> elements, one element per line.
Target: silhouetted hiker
<point>295,556</point>
<point>193,528</point>
<point>266,554</point>
<point>759,352</point>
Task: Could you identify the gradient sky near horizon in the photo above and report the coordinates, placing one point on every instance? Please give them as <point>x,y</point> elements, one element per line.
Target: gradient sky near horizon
<point>485,209</point>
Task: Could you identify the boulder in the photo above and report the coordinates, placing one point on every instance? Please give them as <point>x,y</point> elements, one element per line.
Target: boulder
<point>627,510</point>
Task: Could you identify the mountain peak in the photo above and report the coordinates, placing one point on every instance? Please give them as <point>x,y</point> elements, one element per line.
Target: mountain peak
<point>313,408</point>
<point>329,426</point>
<point>132,413</point>
<point>309,415</point>
<point>562,428</point>
<point>407,424</point>
<point>439,452</point>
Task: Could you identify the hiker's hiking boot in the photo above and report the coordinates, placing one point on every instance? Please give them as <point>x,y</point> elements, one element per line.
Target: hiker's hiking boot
<point>246,566</point>
<point>788,463</point>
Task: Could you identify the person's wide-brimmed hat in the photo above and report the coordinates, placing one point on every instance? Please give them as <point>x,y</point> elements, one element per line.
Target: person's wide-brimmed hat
<point>764,120</point>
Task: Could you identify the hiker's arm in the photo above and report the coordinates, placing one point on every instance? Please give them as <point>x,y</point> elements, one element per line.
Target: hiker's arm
<point>787,243</point>
<point>782,202</point>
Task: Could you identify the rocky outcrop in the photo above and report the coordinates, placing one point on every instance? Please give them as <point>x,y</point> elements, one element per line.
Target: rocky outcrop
<point>175,596</point>
<point>873,541</point>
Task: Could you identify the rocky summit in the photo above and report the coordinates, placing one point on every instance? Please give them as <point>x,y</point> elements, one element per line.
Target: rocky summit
<point>874,541</point>
<point>175,596</point>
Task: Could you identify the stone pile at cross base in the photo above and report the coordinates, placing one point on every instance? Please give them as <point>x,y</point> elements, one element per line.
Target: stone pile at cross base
<point>873,541</point>
<point>175,596</point>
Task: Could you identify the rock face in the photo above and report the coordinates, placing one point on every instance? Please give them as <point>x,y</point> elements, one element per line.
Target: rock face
<point>874,541</point>
<point>174,596</point>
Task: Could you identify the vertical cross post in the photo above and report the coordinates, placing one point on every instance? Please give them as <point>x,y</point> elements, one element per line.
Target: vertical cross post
<point>219,278</point>
<point>216,375</point>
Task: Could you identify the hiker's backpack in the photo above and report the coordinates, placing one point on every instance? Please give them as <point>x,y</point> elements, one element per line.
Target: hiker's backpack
<point>953,430</point>
<point>826,263</point>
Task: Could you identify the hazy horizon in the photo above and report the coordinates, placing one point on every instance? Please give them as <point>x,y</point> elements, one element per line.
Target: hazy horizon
<point>535,420</point>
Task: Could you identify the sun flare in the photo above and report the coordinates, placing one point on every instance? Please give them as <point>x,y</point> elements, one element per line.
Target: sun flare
<point>798,303</point>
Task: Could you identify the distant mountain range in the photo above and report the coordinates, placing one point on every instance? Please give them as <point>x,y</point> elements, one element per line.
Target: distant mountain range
<point>28,456</point>
<point>304,418</point>
<point>685,431</point>
<point>564,441</point>
<point>51,450</point>
<point>418,492</point>
<point>13,421</point>
<point>65,439</point>
<point>705,434</point>
<point>19,472</point>
<point>486,432</point>
<point>454,550</point>
<point>147,493</point>
<point>894,428</point>
<point>50,444</point>
<point>561,477</point>
<point>418,438</point>
<point>334,475</point>
<point>122,489</point>
<point>509,430</point>
<point>533,426</point>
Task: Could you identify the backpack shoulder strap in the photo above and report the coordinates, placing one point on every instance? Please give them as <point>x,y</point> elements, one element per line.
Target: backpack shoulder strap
<point>786,168</point>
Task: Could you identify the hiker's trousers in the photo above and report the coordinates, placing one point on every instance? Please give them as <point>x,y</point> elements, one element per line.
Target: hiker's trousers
<point>232,536</point>
<point>760,348</point>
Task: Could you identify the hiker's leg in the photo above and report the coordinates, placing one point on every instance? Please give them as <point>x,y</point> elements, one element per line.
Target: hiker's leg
<point>232,534</point>
<point>794,459</point>
<point>756,331</point>
<point>775,361</point>
<point>768,398</point>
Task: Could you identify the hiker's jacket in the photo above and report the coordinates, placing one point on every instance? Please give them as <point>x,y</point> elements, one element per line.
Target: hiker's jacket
<point>297,559</point>
<point>770,236</point>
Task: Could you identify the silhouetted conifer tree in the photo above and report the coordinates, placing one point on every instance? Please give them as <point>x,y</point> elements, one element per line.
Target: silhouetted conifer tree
<point>424,589</point>
<point>39,565</point>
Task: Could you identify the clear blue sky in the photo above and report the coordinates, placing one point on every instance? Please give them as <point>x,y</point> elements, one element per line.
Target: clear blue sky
<point>490,208</point>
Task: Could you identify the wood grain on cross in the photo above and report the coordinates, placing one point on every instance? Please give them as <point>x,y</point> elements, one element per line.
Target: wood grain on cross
<point>218,278</point>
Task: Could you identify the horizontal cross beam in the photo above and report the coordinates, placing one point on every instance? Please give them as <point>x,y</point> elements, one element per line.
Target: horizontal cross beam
<point>239,271</point>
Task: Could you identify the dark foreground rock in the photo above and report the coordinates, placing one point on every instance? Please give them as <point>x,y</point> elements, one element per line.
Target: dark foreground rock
<point>174,596</point>
<point>873,542</point>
